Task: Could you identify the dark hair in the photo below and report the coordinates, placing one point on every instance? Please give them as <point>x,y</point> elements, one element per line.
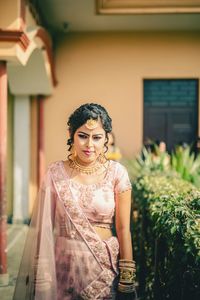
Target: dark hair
<point>85,112</point>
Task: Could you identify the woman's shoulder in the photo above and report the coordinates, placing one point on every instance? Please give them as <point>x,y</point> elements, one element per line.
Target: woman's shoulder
<point>122,180</point>
<point>117,164</point>
<point>54,165</point>
<point>118,167</point>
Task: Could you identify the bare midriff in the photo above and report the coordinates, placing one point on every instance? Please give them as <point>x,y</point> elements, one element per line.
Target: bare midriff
<point>103,233</point>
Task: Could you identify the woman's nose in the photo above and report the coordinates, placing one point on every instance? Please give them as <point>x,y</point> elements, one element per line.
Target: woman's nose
<point>90,142</point>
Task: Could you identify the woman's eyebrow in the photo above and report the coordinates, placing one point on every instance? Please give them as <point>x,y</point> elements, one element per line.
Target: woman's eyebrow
<point>98,134</point>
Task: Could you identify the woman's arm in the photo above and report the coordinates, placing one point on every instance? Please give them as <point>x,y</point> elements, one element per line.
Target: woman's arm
<point>123,209</point>
<point>126,285</point>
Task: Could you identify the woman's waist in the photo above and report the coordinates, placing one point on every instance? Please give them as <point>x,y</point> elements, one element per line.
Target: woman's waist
<point>101,224</point>
<point>104,230</point>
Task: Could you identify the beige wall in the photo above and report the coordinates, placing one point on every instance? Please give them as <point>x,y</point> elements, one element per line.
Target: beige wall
<point>9,14</point>
<point>109,68</point>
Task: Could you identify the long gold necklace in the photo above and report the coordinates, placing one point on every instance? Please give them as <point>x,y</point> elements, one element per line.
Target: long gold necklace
<point>82,169</point>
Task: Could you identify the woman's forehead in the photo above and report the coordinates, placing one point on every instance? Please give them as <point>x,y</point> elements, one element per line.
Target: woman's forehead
<point>98,128</point>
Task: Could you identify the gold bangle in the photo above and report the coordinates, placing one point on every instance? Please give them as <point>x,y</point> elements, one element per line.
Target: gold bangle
<point>127,263</point>
<point>122,260</point>
<point>127,276</point>
<point>126,288</point>
<point>128,269</point>
<point>131,262</point>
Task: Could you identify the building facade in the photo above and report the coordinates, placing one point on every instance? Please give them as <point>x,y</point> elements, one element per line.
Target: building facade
<point>141,61</point>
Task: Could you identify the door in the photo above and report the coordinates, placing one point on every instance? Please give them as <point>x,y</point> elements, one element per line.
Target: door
<point>171,111</point>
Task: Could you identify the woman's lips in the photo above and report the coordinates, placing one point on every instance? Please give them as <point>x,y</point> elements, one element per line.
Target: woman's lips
<point>87,152</point>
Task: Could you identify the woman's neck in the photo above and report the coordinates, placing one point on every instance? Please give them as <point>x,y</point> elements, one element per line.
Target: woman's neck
<point>85,164</point>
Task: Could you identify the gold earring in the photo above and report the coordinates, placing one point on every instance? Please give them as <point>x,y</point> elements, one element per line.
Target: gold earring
<point>102,158</point>
<point>73,153</point>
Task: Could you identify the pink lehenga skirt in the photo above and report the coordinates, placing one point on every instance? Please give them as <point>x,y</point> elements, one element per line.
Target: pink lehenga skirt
<point>78,274</point>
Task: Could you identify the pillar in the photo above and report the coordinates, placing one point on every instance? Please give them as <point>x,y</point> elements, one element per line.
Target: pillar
<point>3,150</point>
<point>21,158</point>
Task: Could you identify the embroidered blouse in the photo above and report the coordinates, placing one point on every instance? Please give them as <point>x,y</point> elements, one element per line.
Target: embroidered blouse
<point>98,200</point>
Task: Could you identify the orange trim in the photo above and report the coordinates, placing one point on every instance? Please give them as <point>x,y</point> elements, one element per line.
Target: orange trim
<point>20,37</point>
<point>44,36</point>
<point>16,36</point>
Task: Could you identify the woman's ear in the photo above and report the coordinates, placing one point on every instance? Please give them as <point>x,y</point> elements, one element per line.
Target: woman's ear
<point>106,139</point>
<point>69,133</point>
<point>69,140</point>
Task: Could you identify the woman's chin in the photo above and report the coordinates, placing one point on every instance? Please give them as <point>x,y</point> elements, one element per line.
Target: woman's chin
<point>88,159</point>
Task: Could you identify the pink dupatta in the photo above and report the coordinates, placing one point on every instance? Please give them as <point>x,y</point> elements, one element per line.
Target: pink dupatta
<point>64,258</point>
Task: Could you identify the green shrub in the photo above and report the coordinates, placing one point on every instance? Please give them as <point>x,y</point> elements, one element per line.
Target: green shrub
<point>147,162</point>
<point>167,237</point>
<point>184,162</point>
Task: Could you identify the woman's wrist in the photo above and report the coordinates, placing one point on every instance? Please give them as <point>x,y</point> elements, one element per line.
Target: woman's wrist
<point>127,275</point>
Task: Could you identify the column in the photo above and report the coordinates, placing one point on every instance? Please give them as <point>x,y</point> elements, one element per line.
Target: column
<point>21,158</point>
<point>4,278</point>
<point>41,159</point>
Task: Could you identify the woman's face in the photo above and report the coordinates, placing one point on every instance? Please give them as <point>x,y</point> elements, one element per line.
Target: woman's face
<point>89,143</point>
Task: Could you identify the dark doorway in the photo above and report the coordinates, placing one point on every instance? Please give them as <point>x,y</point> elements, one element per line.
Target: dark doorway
<point>171,111</point>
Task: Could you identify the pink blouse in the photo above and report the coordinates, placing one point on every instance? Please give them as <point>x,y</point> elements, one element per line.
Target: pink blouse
<point>98,200</point>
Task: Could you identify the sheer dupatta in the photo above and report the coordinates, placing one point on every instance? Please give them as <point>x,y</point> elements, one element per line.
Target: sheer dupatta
<point>64,258</point>
<point>37,277</point>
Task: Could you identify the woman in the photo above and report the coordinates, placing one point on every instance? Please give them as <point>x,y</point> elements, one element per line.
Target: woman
<point>71,251</point>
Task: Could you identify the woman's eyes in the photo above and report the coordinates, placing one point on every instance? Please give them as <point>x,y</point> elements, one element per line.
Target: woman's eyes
<point>96,138</point>
<point>82,136</point>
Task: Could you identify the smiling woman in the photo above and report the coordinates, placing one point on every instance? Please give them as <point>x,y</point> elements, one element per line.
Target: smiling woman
<point>72,252</point>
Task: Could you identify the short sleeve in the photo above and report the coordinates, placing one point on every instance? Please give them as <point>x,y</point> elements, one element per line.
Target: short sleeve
<point>122,181</point>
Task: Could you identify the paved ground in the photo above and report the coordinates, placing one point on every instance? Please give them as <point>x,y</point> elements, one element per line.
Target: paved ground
<point>16,238</point>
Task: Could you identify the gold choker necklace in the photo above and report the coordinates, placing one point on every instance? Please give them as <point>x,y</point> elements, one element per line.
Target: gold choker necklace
<point>82,169</point>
